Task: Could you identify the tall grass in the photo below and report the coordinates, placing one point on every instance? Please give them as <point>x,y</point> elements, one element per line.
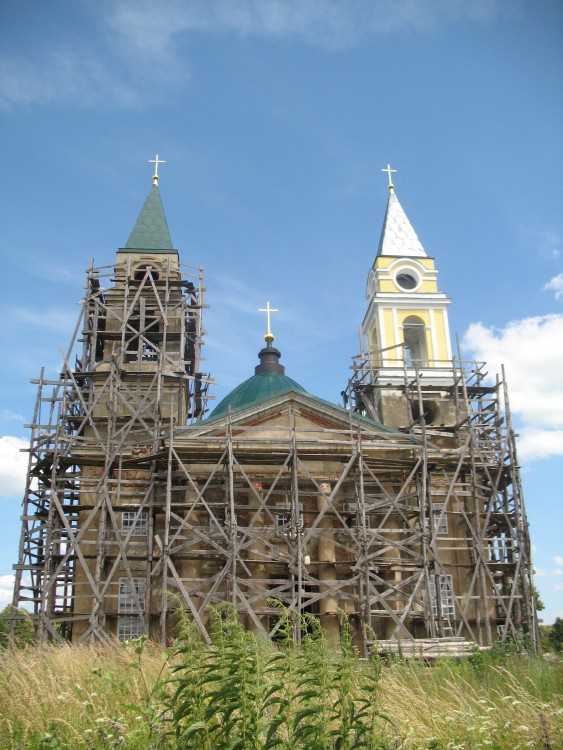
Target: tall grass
<point>246,693</point>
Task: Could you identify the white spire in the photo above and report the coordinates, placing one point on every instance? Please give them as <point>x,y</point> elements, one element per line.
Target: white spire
<point>397,236</point>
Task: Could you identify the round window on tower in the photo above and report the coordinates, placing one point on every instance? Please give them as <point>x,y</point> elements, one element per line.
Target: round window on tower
<point>407,280</point>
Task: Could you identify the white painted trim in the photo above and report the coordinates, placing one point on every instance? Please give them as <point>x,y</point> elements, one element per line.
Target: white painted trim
<point>395,353</point>
<point>447,335</point>
<point>383,338</point>
<point>406,260</point>
<point>433,333</point>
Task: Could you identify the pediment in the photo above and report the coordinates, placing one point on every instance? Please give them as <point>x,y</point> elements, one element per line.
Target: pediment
<point>308,417</point>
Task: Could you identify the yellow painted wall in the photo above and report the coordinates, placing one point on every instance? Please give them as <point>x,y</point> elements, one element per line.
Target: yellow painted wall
<point>437,345</point>
<point>384,261</point>
<point>442,349</point>
<point>428,285</point>
<point>388,285</point>
<point>389,328</point>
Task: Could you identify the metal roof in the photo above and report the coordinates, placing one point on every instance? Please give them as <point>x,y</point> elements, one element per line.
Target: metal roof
<point>261,387</point>
<point>397,236</point>
<point>151,232</point>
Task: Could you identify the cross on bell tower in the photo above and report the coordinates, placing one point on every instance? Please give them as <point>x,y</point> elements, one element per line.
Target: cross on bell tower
<point>389,172</point>
<point>156,161</point>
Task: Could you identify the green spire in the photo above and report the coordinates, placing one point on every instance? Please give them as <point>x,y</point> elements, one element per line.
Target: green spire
<point>151,232</point>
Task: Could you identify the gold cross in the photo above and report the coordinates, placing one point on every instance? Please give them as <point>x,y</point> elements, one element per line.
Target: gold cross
<point>269,336</point>
<point>156,161</point>
<point>389,170</point>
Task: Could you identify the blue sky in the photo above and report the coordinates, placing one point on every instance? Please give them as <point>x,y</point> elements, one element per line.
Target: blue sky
<point>275,118</point>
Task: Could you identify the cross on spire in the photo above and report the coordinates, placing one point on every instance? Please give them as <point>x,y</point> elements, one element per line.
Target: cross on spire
<point>389,171</point>
<point>156,161</point>
<point>268,336</point>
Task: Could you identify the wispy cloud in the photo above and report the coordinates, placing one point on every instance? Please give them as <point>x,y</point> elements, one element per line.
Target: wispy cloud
<point>555,285</point>
<point>552,572</point>
<point>76,72</point>
<point>12,416</point>
<point>54,318</point>
<point>548,242</point>
<point>155,26</point>
<point>55,273</point>
<point>531,351</point>
<point>129,42</point>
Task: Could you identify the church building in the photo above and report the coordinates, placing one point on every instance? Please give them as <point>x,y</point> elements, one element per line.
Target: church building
<point>400,509</point>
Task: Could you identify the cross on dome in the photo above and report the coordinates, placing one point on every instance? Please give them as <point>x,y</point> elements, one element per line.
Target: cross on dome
<point>156,161</point>
<point>268,336</point>
<point>389,171</point>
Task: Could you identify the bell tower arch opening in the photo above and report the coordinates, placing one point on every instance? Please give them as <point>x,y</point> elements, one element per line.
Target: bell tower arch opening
<point>414,338</point>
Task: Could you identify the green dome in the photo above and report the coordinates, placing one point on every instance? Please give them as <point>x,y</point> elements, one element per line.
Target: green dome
<point>258,388</point>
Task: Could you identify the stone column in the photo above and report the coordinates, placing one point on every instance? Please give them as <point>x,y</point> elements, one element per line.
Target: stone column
<point>257,557</point>
<point>191,569</point>
<point>326,556</point>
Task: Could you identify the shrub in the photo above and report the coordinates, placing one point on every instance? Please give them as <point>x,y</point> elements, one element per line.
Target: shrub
<point>24,630</point>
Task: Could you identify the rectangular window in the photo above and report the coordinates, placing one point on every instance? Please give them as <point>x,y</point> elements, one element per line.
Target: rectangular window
<point>131,595</point>
<point>129,627</point>
<point>446,596</point>
<point>140,526</point>
<point>283,517</point>
<point>440,525</point>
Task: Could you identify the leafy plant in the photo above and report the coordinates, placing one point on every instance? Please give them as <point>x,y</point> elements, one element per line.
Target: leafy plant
<point>24,630</point>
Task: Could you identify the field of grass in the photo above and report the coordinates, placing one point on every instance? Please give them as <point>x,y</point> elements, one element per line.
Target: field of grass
<point>244,693</point>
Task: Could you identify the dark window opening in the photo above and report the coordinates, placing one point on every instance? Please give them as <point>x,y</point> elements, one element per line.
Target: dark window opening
<point>430,411</point>
<point>143,271</point>
<point>406,280</point>
<point>414,337</point>
<point>142,337</point>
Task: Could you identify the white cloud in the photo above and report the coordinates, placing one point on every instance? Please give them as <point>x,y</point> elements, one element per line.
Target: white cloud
<point>558,560</point>
<point>558,587</point>
<point>6,589</point>
<point>535,443</point>
<point>532,354</point>
<point>555,284</point>
<point>13,466</point>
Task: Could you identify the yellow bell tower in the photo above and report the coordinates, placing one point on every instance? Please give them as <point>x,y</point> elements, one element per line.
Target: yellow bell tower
<point>405,328</point>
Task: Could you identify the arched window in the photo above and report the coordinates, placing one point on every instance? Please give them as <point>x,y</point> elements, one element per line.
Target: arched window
<point>142,271</point>
<point>414,337</point>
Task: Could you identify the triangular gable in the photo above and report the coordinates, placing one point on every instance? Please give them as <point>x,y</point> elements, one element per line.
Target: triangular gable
<point>311,417</point>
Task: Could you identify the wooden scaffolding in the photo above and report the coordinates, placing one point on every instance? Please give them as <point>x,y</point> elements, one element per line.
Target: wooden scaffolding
<point>132,369</point>
<point>131,498</point>
<point>469,474</point>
